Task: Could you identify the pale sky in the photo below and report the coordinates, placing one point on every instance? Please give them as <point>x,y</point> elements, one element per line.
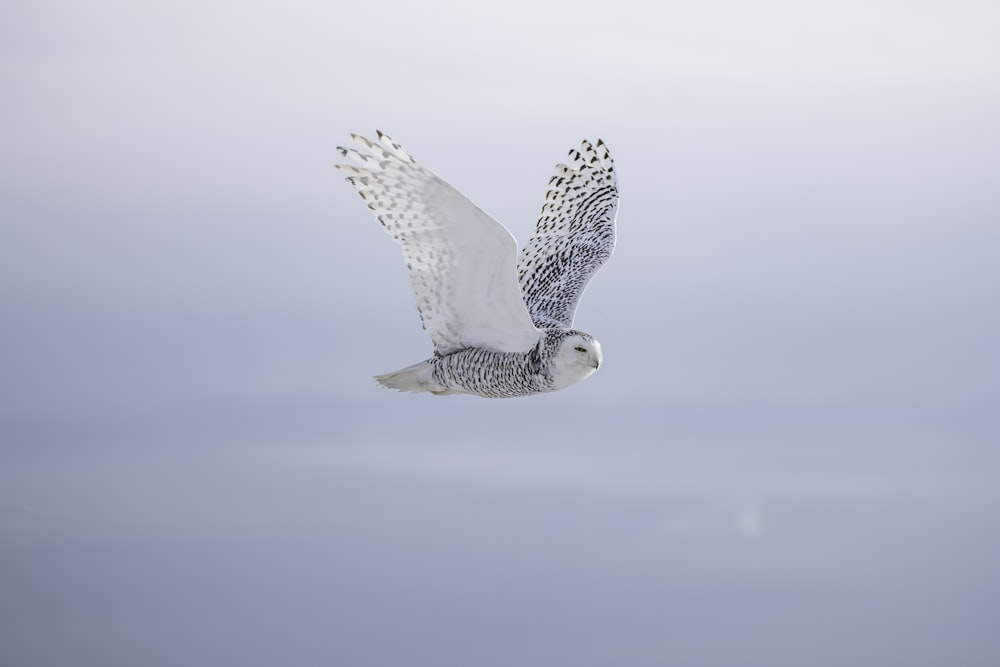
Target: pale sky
<point>788,456</point>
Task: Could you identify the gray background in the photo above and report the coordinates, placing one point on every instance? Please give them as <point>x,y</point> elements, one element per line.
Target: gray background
<point>789,457</point>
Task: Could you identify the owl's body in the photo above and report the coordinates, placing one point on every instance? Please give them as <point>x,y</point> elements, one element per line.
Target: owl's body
<point>501,324</point>
<point>553,363</point>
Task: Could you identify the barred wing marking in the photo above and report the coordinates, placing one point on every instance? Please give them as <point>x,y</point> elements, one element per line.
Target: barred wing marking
<point>574,236</point>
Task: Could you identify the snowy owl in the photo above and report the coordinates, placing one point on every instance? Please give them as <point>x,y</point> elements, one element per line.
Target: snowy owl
<point>501,323</point>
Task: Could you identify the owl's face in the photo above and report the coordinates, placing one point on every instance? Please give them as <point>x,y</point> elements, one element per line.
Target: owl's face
<point>579,355</point>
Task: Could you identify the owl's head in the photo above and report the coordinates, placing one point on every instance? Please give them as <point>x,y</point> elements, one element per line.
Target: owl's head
<point>578,355</point>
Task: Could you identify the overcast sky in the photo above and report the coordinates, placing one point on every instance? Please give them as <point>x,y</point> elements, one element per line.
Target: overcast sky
<point>789,455</point>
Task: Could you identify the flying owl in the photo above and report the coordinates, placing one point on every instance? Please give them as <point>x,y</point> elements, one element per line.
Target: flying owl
<point>500,321</point>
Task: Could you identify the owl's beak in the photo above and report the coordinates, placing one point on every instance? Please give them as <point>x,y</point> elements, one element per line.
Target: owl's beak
<point>597,355</point>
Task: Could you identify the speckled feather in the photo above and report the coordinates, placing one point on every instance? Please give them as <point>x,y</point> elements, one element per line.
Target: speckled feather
<point>574,236</point>
<point>472,292</point>
<point>461,261</point>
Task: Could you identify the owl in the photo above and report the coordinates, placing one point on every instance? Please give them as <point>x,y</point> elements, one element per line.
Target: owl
<point>500,321</point>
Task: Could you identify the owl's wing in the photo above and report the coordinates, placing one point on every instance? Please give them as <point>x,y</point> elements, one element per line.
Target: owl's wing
<point>574,236</point>
<point>462,262</point>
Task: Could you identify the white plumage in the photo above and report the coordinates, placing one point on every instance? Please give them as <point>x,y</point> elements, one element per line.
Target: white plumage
<point>500,321</point>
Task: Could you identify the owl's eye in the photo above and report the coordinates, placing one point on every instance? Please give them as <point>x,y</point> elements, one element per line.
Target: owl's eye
<point>580,349</point>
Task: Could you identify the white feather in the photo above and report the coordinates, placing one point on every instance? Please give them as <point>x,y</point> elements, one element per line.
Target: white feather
<point>462,262</point>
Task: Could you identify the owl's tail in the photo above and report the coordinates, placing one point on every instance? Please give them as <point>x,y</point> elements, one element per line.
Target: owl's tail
<point>415,379</point>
